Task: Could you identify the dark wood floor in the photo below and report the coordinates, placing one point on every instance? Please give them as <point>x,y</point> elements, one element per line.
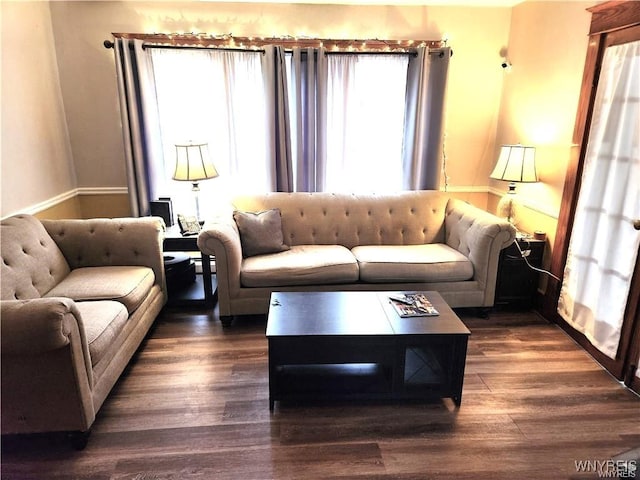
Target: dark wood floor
<point>194,405</point>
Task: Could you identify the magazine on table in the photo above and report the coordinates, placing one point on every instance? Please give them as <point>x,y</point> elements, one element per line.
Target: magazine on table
<point>413,305</point>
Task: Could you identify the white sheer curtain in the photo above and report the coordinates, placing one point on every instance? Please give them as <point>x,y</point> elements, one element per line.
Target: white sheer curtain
<point>365,122</point>
<point>216,97</point>
<point>604,246</point>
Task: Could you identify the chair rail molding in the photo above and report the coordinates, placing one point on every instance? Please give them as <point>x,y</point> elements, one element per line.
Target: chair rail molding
<point>527,202</point>
<point>63,197</point>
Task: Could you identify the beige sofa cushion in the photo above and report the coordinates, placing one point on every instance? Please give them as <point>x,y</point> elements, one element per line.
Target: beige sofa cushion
<point>412,263</point>
<point>103,322</point>
<point>31,261</point>
<point>127,285</point>
<point>301,265</point>
<point>324,218</point>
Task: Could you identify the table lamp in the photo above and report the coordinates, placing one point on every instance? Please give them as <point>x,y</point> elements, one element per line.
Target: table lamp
<point>193,164</point>
<point>516,164</point>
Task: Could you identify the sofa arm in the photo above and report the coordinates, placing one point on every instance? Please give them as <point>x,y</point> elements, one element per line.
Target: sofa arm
<point>480,236</point>
<point>220,237</point>
<point>46,366</point>
<point>111,242</point>
<point>40,325</point>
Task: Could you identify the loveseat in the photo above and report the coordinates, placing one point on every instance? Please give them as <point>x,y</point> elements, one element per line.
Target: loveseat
<point>413,240</point>
<point>78,297</point>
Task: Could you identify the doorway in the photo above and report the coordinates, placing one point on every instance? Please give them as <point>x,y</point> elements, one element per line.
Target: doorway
<point>597,302</point>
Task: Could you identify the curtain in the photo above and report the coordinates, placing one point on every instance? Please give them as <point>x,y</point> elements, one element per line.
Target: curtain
<point>140,126</point>
<point>365,112</point>
<point>307,80</point>
<point>215,97</point>
<point>277,110</point>
<point>340,85</point>
<point>327,128</point>
<point>604,246</point>
<point>424,119</point>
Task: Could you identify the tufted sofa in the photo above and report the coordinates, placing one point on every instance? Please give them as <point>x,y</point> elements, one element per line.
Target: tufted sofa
<point>78,297</point>
<point>413,240</point>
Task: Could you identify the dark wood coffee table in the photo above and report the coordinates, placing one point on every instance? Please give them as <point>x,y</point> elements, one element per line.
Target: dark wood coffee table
<point>353,345</point>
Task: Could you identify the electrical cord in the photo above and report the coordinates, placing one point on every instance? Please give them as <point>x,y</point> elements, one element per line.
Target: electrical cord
<point>444,162</point>
<point>522,254</point>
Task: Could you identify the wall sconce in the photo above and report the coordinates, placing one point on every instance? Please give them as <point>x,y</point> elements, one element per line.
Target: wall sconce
<point>506,64</point>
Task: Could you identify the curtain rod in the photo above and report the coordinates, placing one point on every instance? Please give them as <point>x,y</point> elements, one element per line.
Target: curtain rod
<point>436,51</point>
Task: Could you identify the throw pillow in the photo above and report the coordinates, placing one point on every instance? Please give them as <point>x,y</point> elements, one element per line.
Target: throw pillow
<point>260,232</point>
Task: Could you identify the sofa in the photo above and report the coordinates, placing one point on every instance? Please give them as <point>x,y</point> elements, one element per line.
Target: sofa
<point>78,298</point>
<point>411,240</point>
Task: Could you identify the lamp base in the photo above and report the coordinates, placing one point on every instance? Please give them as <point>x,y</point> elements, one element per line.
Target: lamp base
<point>196,193</point>
<point>509,206</point>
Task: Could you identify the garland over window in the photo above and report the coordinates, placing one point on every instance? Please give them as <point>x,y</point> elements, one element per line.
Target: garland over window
<point>227,40</point>
<point>320,115</point>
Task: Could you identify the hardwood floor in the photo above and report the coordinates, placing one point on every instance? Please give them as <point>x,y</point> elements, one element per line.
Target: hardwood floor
<point>194,405</point>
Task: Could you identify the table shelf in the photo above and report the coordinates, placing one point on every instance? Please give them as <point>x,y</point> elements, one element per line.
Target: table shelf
<point>191,295</point>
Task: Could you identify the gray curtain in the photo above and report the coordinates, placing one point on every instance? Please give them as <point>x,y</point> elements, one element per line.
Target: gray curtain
<point>277,100</point>
<point>424,118</point>
<point>309,111</point>
<point>140,127</point>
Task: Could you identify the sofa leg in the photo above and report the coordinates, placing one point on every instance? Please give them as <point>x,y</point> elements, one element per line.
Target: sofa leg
<point>483,312</point>
<point>79,439</point>
<point>226,320</point>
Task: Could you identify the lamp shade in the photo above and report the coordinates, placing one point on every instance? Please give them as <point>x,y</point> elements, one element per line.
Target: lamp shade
<point>193,163</point>
<point>516,163</point>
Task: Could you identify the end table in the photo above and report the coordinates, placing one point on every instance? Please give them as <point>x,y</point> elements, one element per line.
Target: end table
<point>516,283</point>
<point>174,241</point>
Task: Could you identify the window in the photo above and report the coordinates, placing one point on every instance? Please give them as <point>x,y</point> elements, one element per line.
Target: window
<point>219,97</point>
<point>215,97</point>
<point>374,123</point>
<point>365,122</point>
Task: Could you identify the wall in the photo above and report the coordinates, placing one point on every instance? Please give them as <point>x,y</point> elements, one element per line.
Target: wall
<point>36,165</point>
<point>546,43</point>
<point>547,48</point>
<point>88,82</point>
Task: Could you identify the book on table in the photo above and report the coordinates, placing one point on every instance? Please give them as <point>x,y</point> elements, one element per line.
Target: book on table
<point>412,305</point>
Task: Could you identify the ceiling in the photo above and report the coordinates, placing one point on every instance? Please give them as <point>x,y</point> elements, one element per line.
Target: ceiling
<point>469,3</point>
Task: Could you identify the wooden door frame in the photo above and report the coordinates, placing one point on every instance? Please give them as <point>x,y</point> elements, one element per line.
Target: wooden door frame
<point>610,22</point>
<point>631,333</point>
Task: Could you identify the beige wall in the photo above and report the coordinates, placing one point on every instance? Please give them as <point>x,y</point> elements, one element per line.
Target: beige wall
<point>36,161</point>
<point>547,47</point>
<point>87,69</point>
<point>546,43</point>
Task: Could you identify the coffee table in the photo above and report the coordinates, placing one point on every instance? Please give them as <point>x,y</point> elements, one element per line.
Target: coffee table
<point>353,345</point>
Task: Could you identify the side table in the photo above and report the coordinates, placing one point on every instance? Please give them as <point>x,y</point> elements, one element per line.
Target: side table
<point>516,283</point>
<point>174,241</point>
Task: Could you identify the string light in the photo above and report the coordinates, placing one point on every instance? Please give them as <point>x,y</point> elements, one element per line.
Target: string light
<point>204,39</point>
